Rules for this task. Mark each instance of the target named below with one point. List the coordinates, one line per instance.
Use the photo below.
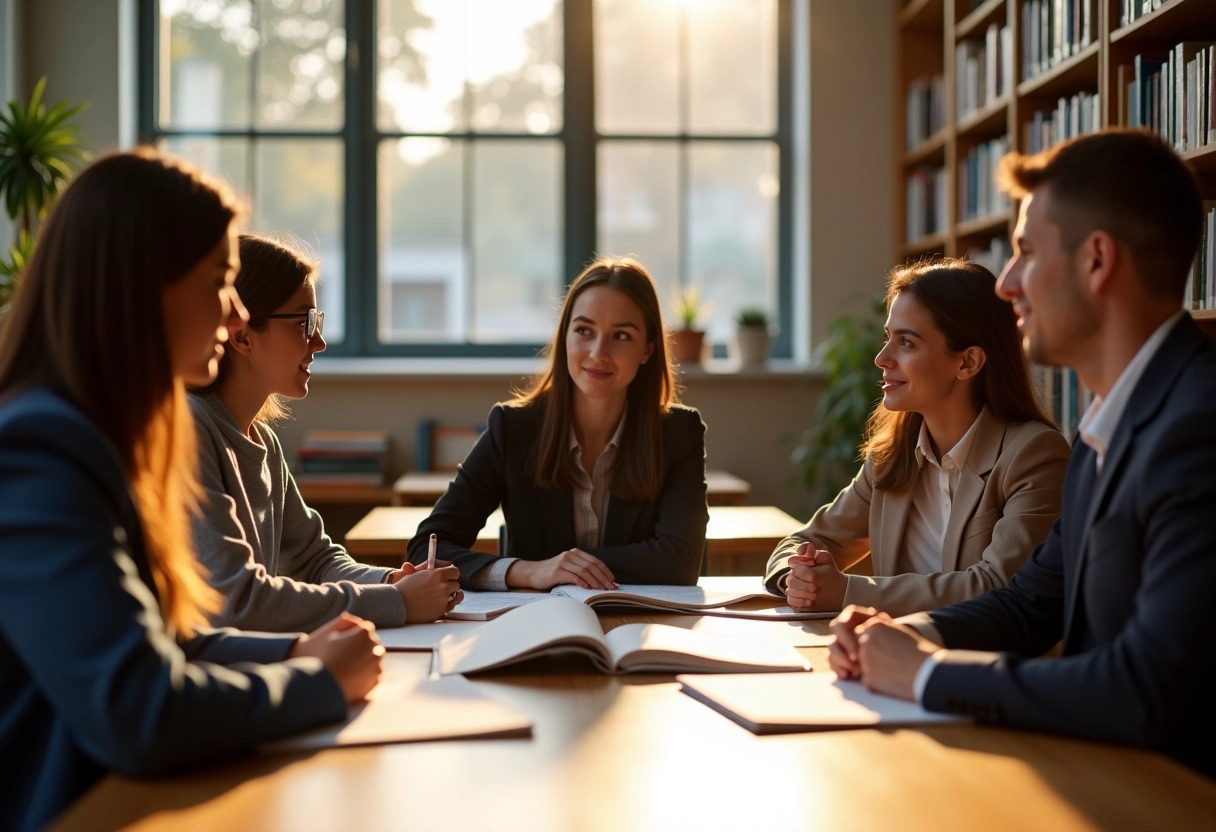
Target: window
(455, 163)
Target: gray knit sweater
(265, 549)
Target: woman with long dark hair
(599, 472)
(962, 471)
(104, 662)
(264, 549)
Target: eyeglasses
(315, 318)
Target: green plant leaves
(826, 454)
(38, 145)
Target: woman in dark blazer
(104, 662)
(600, 474)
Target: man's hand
(814, 582)
(843, 652)
(891, 655)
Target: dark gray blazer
(660, 542)
(90, 680)
(1127, 578)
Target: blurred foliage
(826, 455)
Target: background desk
(633, 753)
(424, 488)
(739, 538)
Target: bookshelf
(977, 76)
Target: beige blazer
(1007, 497)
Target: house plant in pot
(688, 342)
(753, 334)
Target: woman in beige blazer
(962, 471)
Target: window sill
(465, 370)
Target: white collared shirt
(1097, 427)
(920, 551)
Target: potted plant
(826, 455)
(688, 342)
(38, 146)
(753, 332)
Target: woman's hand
(814, 581)
(429, 594)
(350, 651)
(574, 566)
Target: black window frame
(361, 134)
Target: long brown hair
(637, 473)
(271, 272)
(88, 322)
(961, 297)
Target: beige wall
(86, 53)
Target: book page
(786, 702)
(414, 711)
(663, 648)
(659, 596)
(482, 606)
(554, 624)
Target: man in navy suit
(1107, 230)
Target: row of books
(1132, 10)
(983, 70)
(1201, 284)
(926, 202)
(1075, 116)
(343, 458)
(978, 195)
(994, 257)
(925, 110)
(1055, 30)
(1063, 396)
(1172, 94)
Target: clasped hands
(814, 581)
(878, 651)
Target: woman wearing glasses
(266, 551)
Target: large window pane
(420, 68)
(423, 272)
(301, 64)
(206, 48)
(637, 66)
(517, 239)
(482, 65)
(225, 158)
(639, 206)
(732, 227)
(732, 60)
(298, 191)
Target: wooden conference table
(739, 539)
(424, 488)
(633, 753)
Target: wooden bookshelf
(929, 34)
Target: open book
(562, 625)
(781, 703)
(703, 600)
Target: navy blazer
(90, 680)
(1127, 578)
(660, 542)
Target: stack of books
(343, 458)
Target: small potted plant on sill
(688, 342)
(753, 333)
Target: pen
(430, 553)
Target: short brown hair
(1128, 183)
